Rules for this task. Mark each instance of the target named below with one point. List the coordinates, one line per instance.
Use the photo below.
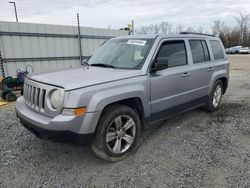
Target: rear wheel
(215, 97)
(117, 133)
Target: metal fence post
(133, 29)
(1, 65)
(79, 38)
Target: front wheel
(117, 133)
(215, 97)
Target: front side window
(199, 51)
(175, 52)
(122, 53)
(217, 49)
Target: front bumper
(58, 136)
(73, 129)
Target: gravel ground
(195, 149)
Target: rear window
(217, 49)
(199, 51)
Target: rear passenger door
(201, 69)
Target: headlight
(56, 99)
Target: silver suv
(127, 85)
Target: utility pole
(12, 2)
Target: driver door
(170, 87)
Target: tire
(11, 97)
(4, 94)
(123, 126)
(215, 96)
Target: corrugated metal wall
(47, 47)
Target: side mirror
(160, 63)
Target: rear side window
(199, 51)
(175, 52)
(205, 49)
(217, 49)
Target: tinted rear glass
(217, 49)
(205, 49)
(199, 51)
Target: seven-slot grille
(34, 96)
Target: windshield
(121, 53)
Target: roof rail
(194, 33)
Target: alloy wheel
(217, 95)
(120, 134)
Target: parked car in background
(228, 50)
(233, 50)
(128, 84)
(245, 50)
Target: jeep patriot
(128, 84)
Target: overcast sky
(117, 13)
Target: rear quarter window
(217, 49)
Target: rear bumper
(58, 136)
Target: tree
(218, 27)
(242, 22)
(179, 28)
(165, 28)
(229, 35)
(162, 28)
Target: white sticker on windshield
(137, 42)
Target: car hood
(83, 77)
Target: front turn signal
(74, 111)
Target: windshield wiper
(85, 62)
(103, 65)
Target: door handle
(210, 69)
(186, 74)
